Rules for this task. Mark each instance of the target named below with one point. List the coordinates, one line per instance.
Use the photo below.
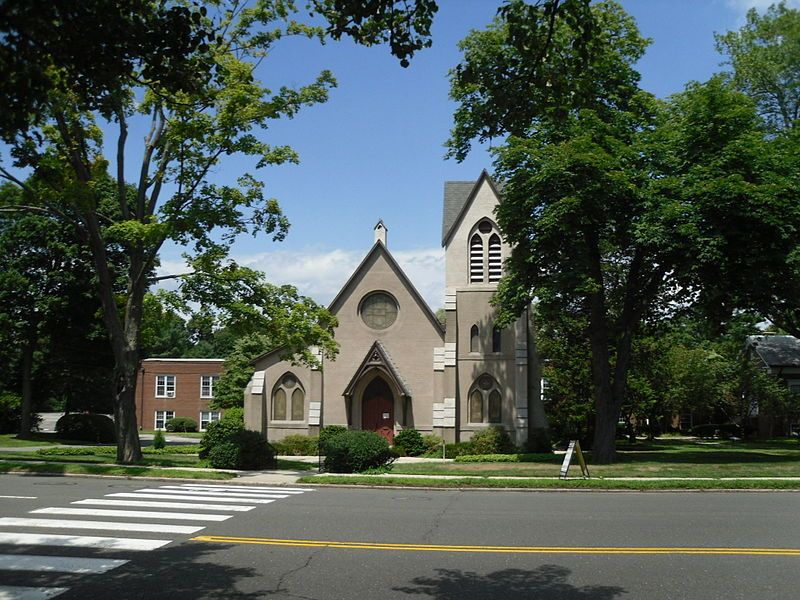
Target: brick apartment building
(177, 387)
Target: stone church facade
(398, 366)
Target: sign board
(574, 449)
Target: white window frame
(210, 419)
(163, 419)
(212, 381)
(163, 382)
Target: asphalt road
(362, 543)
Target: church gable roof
(458, 195)
(379, 249)
(378, 358)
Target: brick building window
(165, 386)
(207, 417)
(207, 384)
(162, 416)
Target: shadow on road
(547, 581)
(183, 571)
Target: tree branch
(123, 135)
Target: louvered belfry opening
(476, 259)
(495, 259)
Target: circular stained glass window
(379, 310)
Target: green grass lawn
(10, 440)
(659, 458)
(105, 455)
(180, 456)
(9, 466)
(597, 484)
(295, 465)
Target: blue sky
(375, 149)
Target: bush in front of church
(228, 445)
(410, 442)
(355, 451)
(327, 433)
(494, 440)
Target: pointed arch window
(495, 259)
(288, 399)
(476, 259)
(474, 339)
(476, 407)
(485, 401)
(497, 340)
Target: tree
(765, 57)
(617, 204)
(164, 332)
(739, 187)
(197, 89)
(575, 171)
(52, 339)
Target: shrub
(235, 413)
(228, 445)
(410, 441)
(481, 458)
(158, 440)
(226, 455)
(9, 412)
(327, 433)
(433, 445)
(494, 440)
(254, 451)
(87, 427)
(183, 424)
(297, 445)
(724, 430)
(352, 451)
(458, 449)
(217, 433)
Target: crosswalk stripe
(135, 514)
(14, 592)
(80, 541)
(107, 525)
(237, 488)
(244, 497)
(147, 504)
(180, 497)
(60, 564)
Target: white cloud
(320, 274)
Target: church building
(398, 366)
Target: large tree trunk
(538, 426)
(124, 338)
(129, 449)
(26, 410)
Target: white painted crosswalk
(197, 505)
(132, 514)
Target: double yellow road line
(495, 549)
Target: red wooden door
(378, 416)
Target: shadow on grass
(546, 581)
(707, 458)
